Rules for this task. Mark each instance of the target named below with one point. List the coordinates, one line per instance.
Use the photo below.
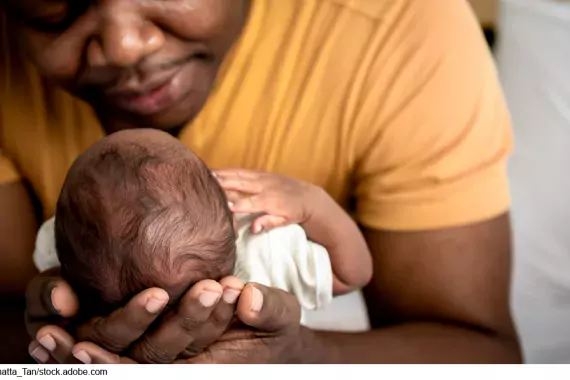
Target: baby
(138, 209)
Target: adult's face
(139, 63)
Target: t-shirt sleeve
(8, 172)
(433, 130)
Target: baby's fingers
(268, 222)
(240, 173)
(234, 181)
(251, 205)
(234, 196)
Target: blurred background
(487, 12)
(531, 43)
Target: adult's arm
(18, 226)
(432, 138)
(442, 297)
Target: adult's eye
(51, 24)
(58, 22)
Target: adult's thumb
(48, 295)
(268, 309)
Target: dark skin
(437, 296)
(17, 221)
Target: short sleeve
(8, 172)
(433, 130)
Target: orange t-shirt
(392, 106)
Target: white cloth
(45, 253)
(282, 258)
(533, 56)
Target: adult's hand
(200, 317)
(269, 331)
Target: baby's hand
(284, 200)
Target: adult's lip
(156, 88)
(141, 88)
(156, 75)
(149, 97)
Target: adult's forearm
(410, 343)
(13, 331)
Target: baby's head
(138, 210)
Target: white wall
(533, 55)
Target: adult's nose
(124, 35)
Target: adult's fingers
(90, 353)
(52, 346)
(49, 300)
(56, 342)
(40, 354)
(181, 328)
(49, 295)
(219, 320)
(116, 332)
(268, 309)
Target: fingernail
(54, 300)
(256, 300)
(83, 357)
(208, 298)
(257, 229)
(40, 354)
(154, 305)
(230, 204)
(231, 295)
(47, 342)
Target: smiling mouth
(165, 73)
(149, 101)
(200, 55)
(138, 97)
(132, 93)
(159, 92)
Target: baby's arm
(287, 201)
(329, 225)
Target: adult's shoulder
(430, 123)
(373, 9)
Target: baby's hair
(137, 208)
